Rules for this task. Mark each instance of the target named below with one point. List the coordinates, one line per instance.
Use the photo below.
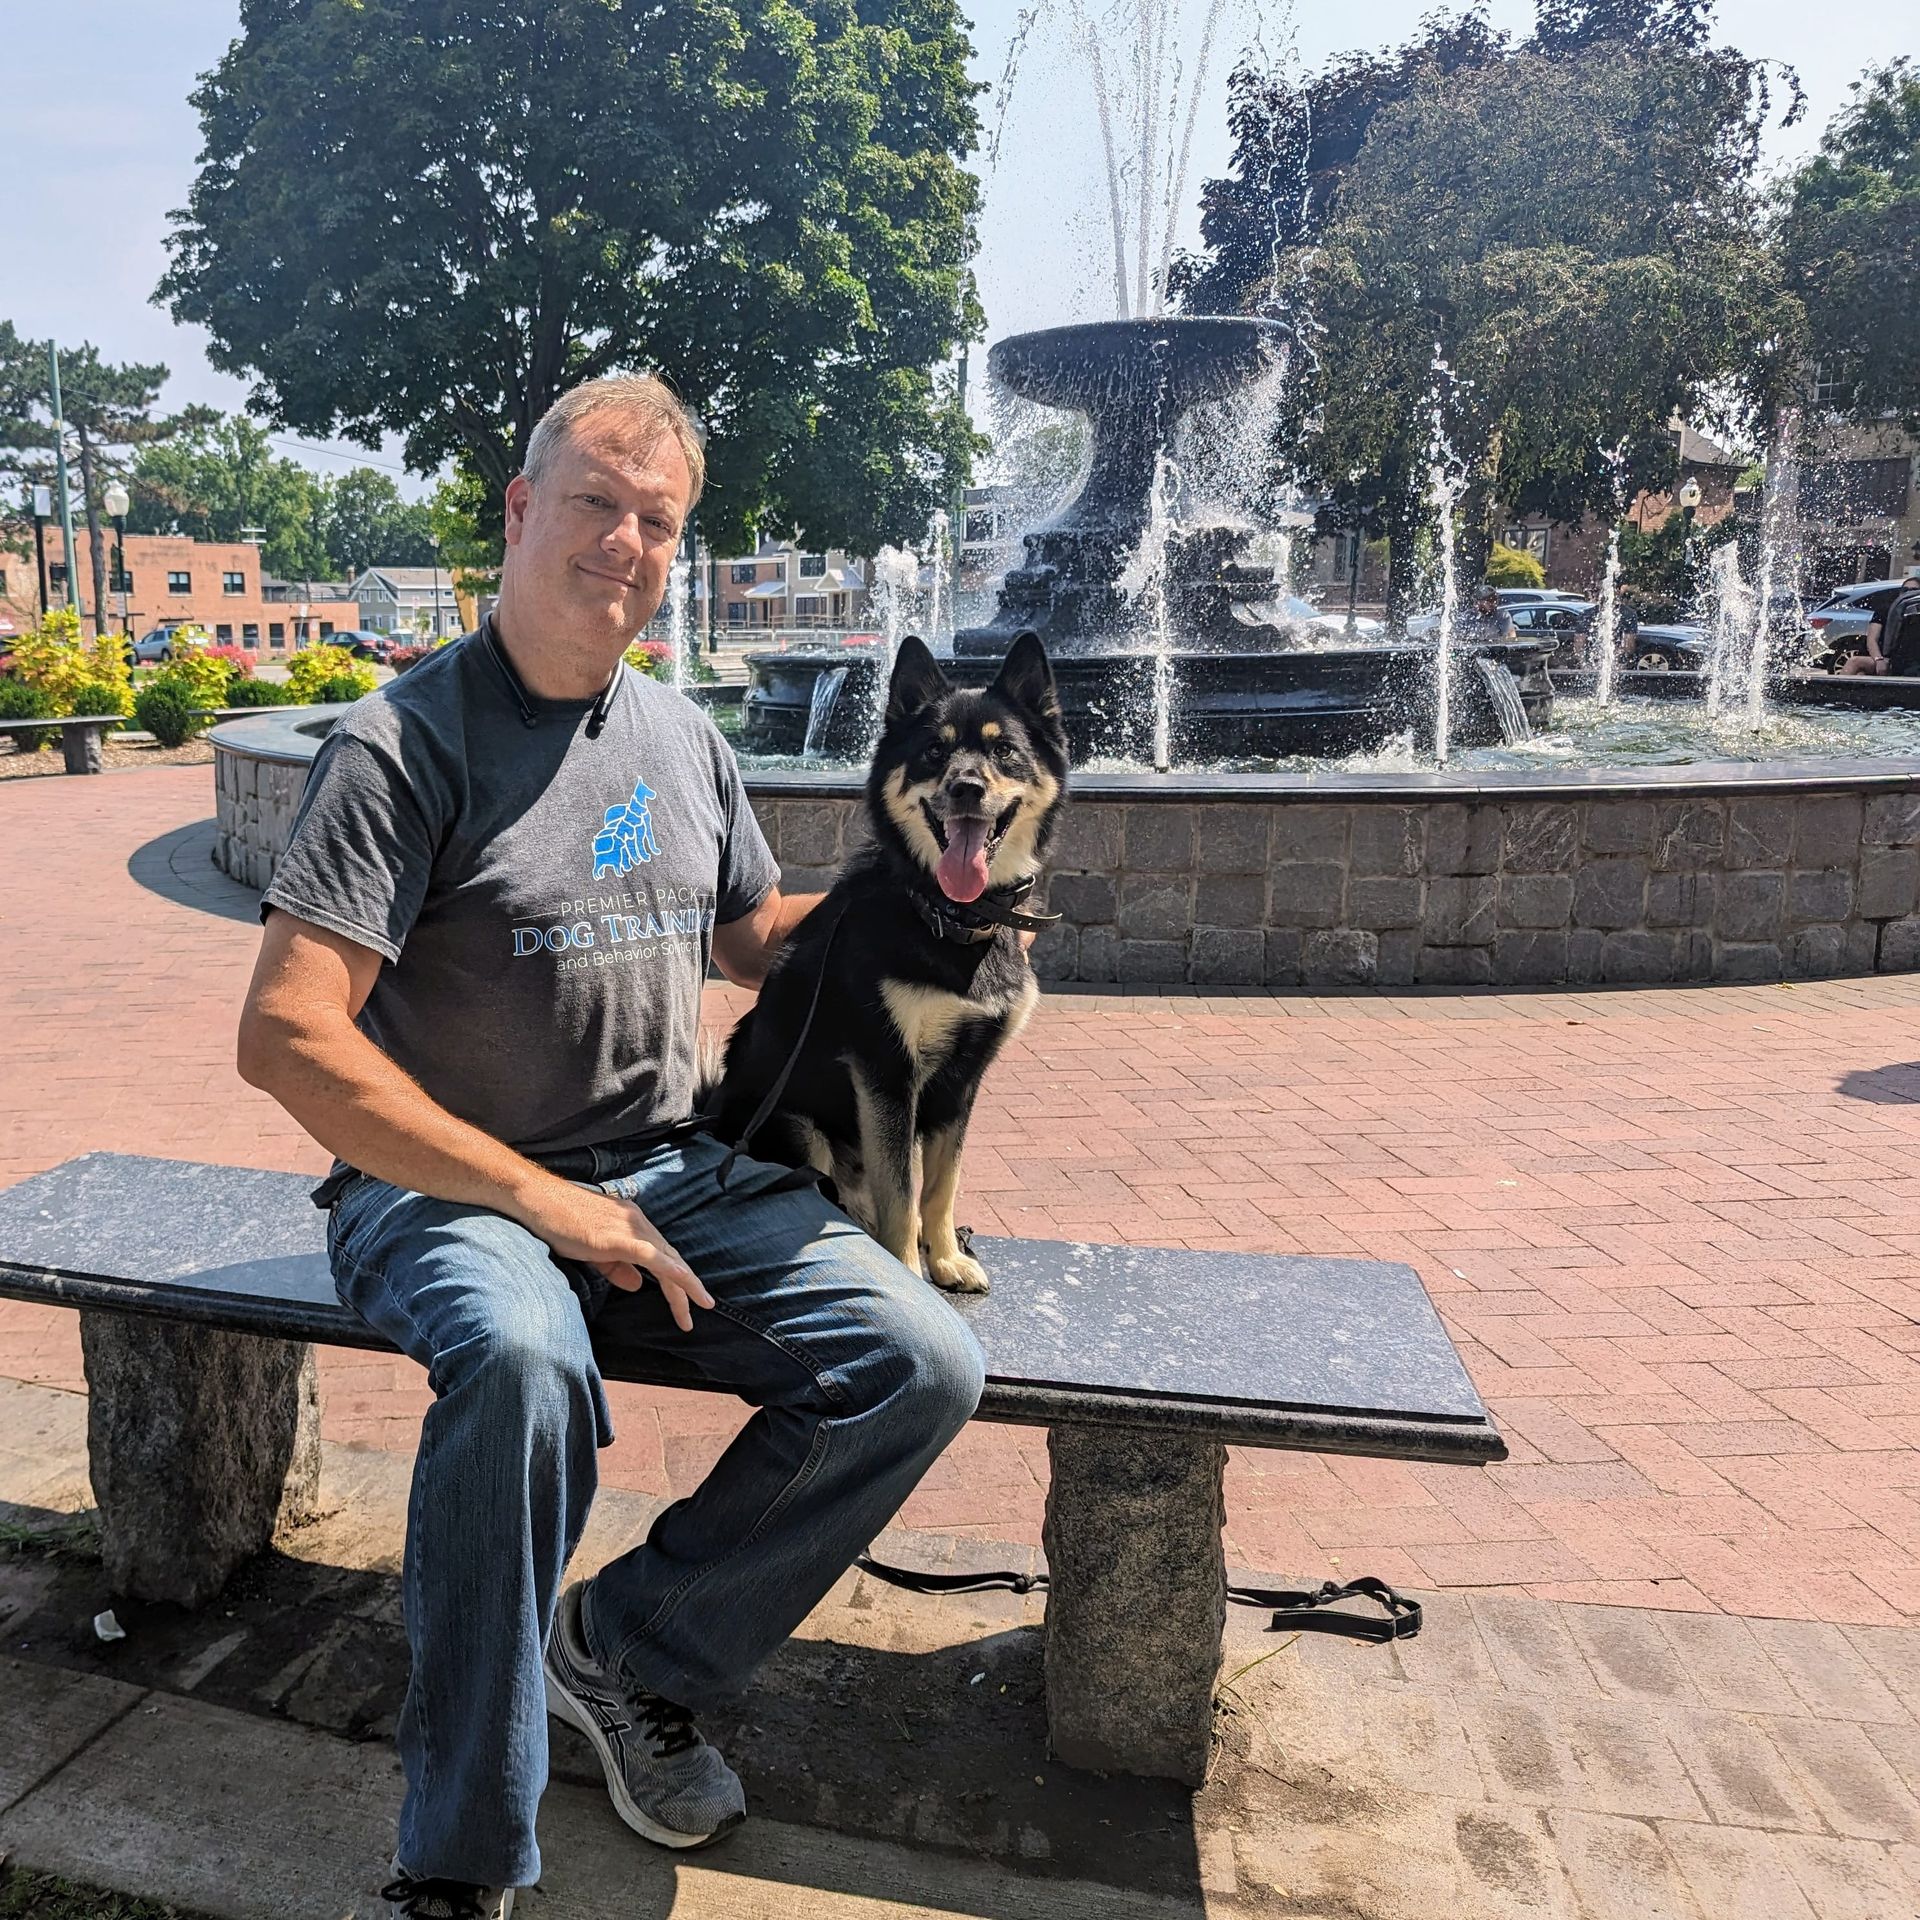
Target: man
(1487, 619)
(479, 986)
(1893, 636)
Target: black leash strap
(1294, 1608)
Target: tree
(1575, 227)
(221, 480)
(368, 524)
(762, 198)
(1850, 247)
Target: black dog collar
(967, 925)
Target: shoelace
(669, 1725)
(434, 1899)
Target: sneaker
(409, 1897)
(667, 1784)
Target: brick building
(169, 579)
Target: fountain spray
(1606, 620)
(896, 580)
(1445, 484)
(1776, 520)
(1144, 582)
(679, 626)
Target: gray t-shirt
(546, 901)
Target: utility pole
(60, 479)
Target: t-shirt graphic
(627, 837)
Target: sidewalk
(1674, 1233)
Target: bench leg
(201, 1444)
(80, 747)
(1138, 1601)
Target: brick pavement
(1674, 1231)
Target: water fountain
(1191, 653)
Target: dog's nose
(966, 792)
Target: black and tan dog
(883, 1012)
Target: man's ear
(917, 682)
(1025, 680)
(519, 489)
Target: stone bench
(200, 1290)
(81, 733)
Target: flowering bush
(317, 673)
(401, 658)
(652, 657)
(238, 661)
(64, 667)
(195, 673)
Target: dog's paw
(957, 1273)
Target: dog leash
(1298, 1608)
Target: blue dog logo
(627, 838)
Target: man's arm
(745, 948)
(298, 1042)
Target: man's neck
(553, 666)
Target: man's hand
(612, 1234)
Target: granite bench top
(1343, 1356)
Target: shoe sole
(562, 1706)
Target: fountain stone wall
(1789, 871)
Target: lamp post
(116, 504)
(42, 513)
(433, 540)
(1689, 498)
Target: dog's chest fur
(931, 1020)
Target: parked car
(1301, 612)
(157, 644)
(1559, 620)
(364, 645)
(1674, 649)
(1511, 597)
(1841, 620)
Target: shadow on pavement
(1893, 1086)
(179, 867)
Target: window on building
(1533, 540)
(276, 632)
(119, 580)
(233, 583)
(1829, 387)
(981, 527)
(744, 573)
(326, 629)
(812, 565)
(224, 635)
(808, 606)
(57, 579)
(736, 613)
(179, 582)
(250, 635)
(3, 583)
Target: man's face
(592, 542)
(1487, 602)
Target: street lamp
(433, 540)
(1689, 498)
(116, 504)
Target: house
(407, 600)
(1857, 498)
(784, 585)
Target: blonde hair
(640, 400)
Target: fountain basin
(1323, 881)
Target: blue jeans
(861, 1374)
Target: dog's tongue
(963, 865)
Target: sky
(96, 109)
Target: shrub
(194, 672)
(653, 657)
(163, 711)
(1510, 567)
(343, 689)
(18, 701)
(315, 668)
(256, 693)
(55, 659)
(238, 661)
(98, 696)
(401, 658)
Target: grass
(40, 1896)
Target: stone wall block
(767, 813)
(1155, 906)
(1461, 911)
(1862, 946)
(1283, 956)
(1689, 834)
(1159, 839)
(1230, 900)
(1099, 954)
(1892, 820)
(1742, 961)
(1583, 955)
(1055, 954)
(1818, 952)
(1681, 899)
(1379, 901)
(1086, 899)
(1529, 959)
(1540, 838)
(1823, 896)
(1759, 833)
(1463, 840)
(1826, 830)
(1397, 956)
(1310, 833)
(1388, 841)
(1748, 906)
(1345, 957)
(1233, 839)
(1619, 826)
(797, 879)
(1900, 946)
(1454, 967)
(1307, 894)
(1151, 962)
(1639, 956)
(1610, 894)
(1536, 899)
(1088, 837)
(1228, 957)
(810, 832)
(1889, 881)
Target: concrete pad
(50, 1716)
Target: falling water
(1776, 556)
(826, 696)
(940, 621)
(1606, 619)
(1445, 484)
(1734, 631)
(1144, 582)
(896, 581)
(679, 625)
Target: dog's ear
(917, 681)
(1025, 679)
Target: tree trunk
(95, 539)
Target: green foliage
(1850, 247)
(76, 675)
(163, 710)
(763, 198)
(1510, 567)
(369, 524)
(1662, 569)
(470, 543)
(194, 674)
(316, 674)
(40, 1896)
(18, 701)
(242, 692)
(222, 477)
